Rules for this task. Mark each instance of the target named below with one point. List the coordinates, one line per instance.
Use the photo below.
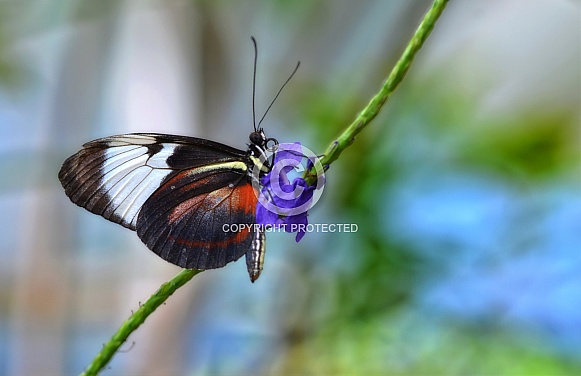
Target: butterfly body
(176, 192)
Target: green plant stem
(137, 318)
(393, 80)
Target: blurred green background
(465, 190)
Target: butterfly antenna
(279, 91)
(254, 85)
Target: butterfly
(177, 192)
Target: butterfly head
(258, 138)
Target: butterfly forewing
(110, 177)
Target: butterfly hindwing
(183, 221)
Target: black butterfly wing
(187, 221)
(114, 176)
(175, 191)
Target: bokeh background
(465, 190)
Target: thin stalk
(136, 319)
(397, 74)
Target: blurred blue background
(465, 190)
